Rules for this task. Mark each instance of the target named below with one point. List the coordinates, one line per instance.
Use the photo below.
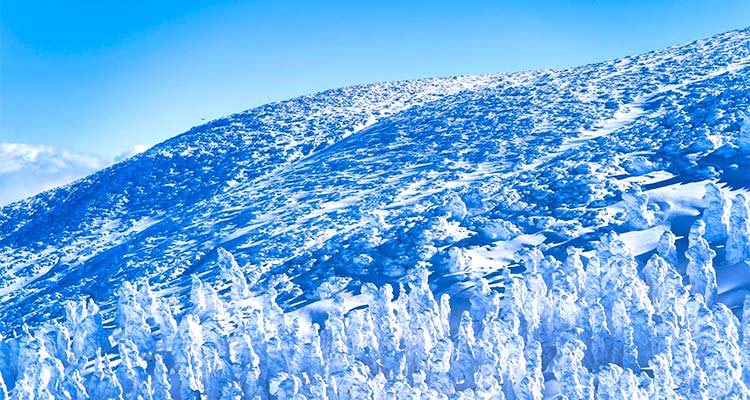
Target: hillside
(580, 231)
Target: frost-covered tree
(3, 388)
(637, 212)
(743, 139)
(700, 269)
(666, 248)
(664, 384)
(744, 350)
(596, 325)
(161, 387)
(738, 242)
(575, 381)
(715, 214)
(131, 322)
(232, 273)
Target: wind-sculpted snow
(579, 233)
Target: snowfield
(574, 234)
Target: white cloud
(137, 149)
(26, 170)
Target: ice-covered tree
(637, 212)
(3, 388)
(403, 343)
(715, 214)
(232, 273)
(161, 387)
(700, 269)
(666, 248)
(738, 242)
(664, 384)
(743, 139)
(575, 381)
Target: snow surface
(577, 233)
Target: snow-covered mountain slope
(567, 181)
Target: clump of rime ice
(715, 214)
(738, 242)
(638, 215)
(743, 139)
(700, 270)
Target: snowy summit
(577, 233)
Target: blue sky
(102, 76)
